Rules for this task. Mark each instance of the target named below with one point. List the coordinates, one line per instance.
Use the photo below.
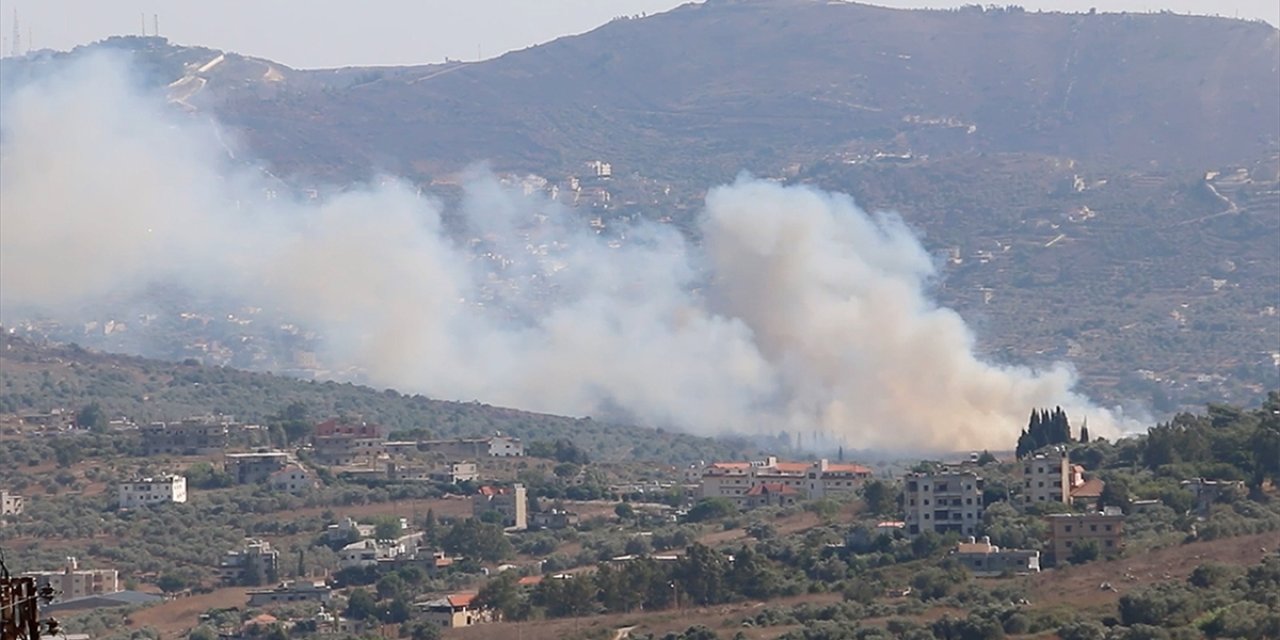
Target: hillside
(40, 378)
(1056, 163)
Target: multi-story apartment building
(10, 504)
(511, 503)
(199, 435)
(1068, 530)
(808, 480)
(943, 502)
(1048, 477)
(253, 564)
(347, 443)
(254, 468)
(73, 582)
(143, 492)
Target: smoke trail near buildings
(799, 311)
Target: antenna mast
(155, 24)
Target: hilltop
(1100, 188)
(39, 378)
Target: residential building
(455, 472)
(456, 610)
(451, 472)
(292, 478)
(1049, 476)
(771, 494)
(72, 582)
(148, 491)
(1068, 530)
(369, 552)
(554, 519)
(497, 446)
(254, 468)
(342, 444)
(10, 504)
(1208, 492)
(947, 501)
(511, 503)
(984, 559)
(349, 530)
(501, 446)
(287, 592)
(199, 435)
(253, 564)
(810, 480)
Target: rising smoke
(798, 312)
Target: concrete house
(144, 492)
(984, 559)
(512, 503)
(947, 501)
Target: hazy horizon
(391, 32)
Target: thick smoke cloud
(799, 311)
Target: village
(496, 517)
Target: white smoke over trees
(799, 311)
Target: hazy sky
(328, 33)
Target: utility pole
(20, 600)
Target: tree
(1084, 551)
(711, 509)
(480, 540)
(986, 458)
(203, 632)
(501, 594)
(1084, 434)
(386, 528)
(361, 605)
(91, 417)
(1115, 493)
(171, 583)
(879, 496)
(624, 511)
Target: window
(926, 516)
(1108, 527)
(1068, 528)
(1041, 484)
(1111, 543)
(1027, 470)
(1068, 544)
(1093, 527)
(968, 500)
(926, 502)
(942, 486)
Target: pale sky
(331, 33)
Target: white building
(505, 447)
(10, 504)
(148, 491)
(950, 500)
(293, 478)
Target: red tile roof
(461, 599)
(848, 468)
(1091, 488)
(772, 487)
(529, 581)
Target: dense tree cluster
(1044, 429)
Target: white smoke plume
(799, 311)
